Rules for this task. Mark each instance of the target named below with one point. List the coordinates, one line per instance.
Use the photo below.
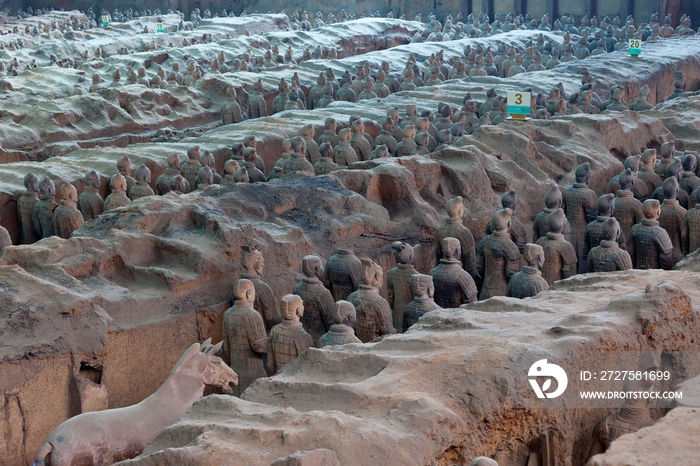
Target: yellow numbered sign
(159, 27)
(105, 20)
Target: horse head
(217, 372)
(200, 362)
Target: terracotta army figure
(208, 160)
(256, 102)
(497, 256)
(343, 154)
(690, 228)
(230, 168)
(205, 177)
(179, 185)
(90, 202)
(191, 168)
(66, 217)
(509, 200)
(454, 228)
(627, 210)
(642, 103)
(552, 202)
(407, 145)
(124, 168)
(279, 103)
(373, 311)
(423, 291)
(358, 142)
(671, 217)
(329, 134)
(580, 203)
(342, 331)
(325, 165)
(256, 172)
(118, 196)
(287, 340)
(142, 187)
(633, 416)
(668, 150)
(318, 91)
(607, 256)
(559, 254)
(44, 208)
(640, 190)
(25, 209)
(529, 281)
(398, 282)
(386, 136)
(343, 274)
(231, 111)
(690, 181)
(318, 301)
(594, 231)
(673, 170)
(646, 172)
(253, 264)
(312, 153)
(163, 181)
(648, 244)
(297, 162)
(453, 286)
(244, 337)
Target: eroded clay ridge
(53, 110)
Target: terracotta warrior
(607, 256)
(552, 202)
(374, 317)
(594, 231)
(179, 185)
(191, 168)
(253, 264)
(325, 165)
(66, 217)
(671, 217)
(690, 228)
(208, 160)
(256, 103)
(112, 435)
(44, 209)
(690, 181)
(627, 209)
(497, 256)
(312, 153)
(529, 281)
(329, 135)
(343, 154)
(454, 228)
(90, 202)
(673, 170)
(142, 187)
(559, 254)
(205, 177)
(25, 209)
(407, 144)
(398, 282)
(231, 111)
(580, 205)
(423, 291)
(124, 169)
(358, 141)
(668, 150)
(288, 339)
(648, 244)
(646, 172)
(342, 331)
(297, 162)
(230, 168)
(244, 336)
(453, 286)
(118, 196)
(633, 416)
(163, 181)
(642, 103)
(386, 137)
(509, 200)
(343, 274)
(318, 301)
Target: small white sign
(518, 103)
(635, 47)
(105, 20)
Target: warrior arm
(271, 363)
(325, 306)
(269, 306)
(685, 235)
(384, 318)
(480, 263)
(623, 261)
(632, 247)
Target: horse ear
(216, 348)
(206, 345)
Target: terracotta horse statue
(105, 437)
